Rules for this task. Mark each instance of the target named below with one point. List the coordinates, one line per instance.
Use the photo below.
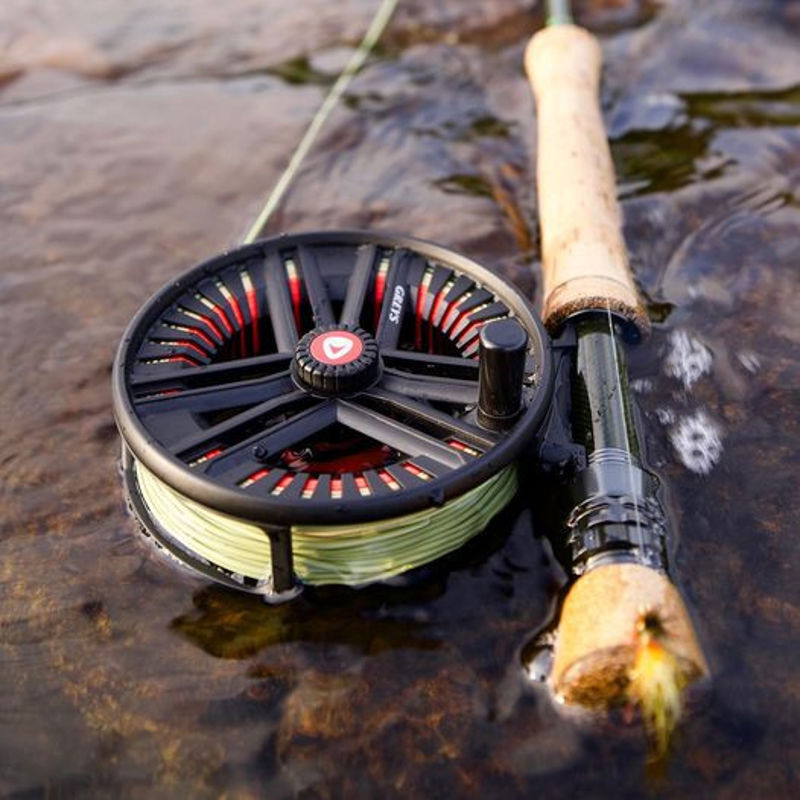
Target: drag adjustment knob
(503, 349)
(336, 360)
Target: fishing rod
(624, 633)
(344, 407)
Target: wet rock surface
(138, 140)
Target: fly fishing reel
(327, 408)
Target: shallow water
(140, 138)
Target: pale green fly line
(345, 554)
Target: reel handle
(585, 263)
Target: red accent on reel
(336, 347)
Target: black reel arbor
(306, 383)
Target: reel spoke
(280, 304)
(446, 390)
(209, 375)
(229, 432)
(429, 365)
(231, 466)
(318, 296)
(217, 398)
(397, 434)
(358, 286)
(395, 300)
(398, 407)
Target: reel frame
(276, 514)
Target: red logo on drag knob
(336, 347)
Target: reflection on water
(139, 140)
(697, 442)
(687, 359)
(229, 625)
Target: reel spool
(327, 408)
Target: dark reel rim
(270, 510)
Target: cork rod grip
(585, 263)
(595, 652)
